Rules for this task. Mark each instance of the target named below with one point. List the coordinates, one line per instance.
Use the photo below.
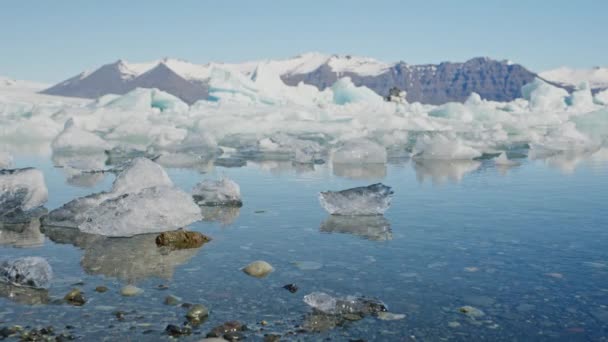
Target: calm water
(527, 245)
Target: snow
(597, 77)
(21, 190)
(218, 193)
(27, 271)
(374, 199)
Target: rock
(374, 199)
(27, 271)
(227, 327)
(176, 331)
(197, 312)
(233, 336)
(272, 338)
(101, 289)
(75, 297)
(471, 311)
(388, 316)
(224, 192)
(293, 288)
(258, 269)
(21, 192)
(181, 239)
(172, 300)
(130, 291)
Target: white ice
(6, 160)
(21, 190)
(27, 271)
(218, 193)
(360, 151)
(374, 199)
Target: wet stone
(233, 336)
(258, 269)
(181, 239)
(293, 288)
(172, 300)
(471, 311)
(174, 330)
(75, 297)
(130, 291)
(352, 317)
(197, 312)
(272, 338)
(227, 327)
(101, 289)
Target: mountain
(597, 77)
(432, 84)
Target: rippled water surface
(527, 245)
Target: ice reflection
(360, 171)
(21, 235)
(23, 294)
(375, 227)
(441, 171)
(82, 170)
(225, 215)
(128, 259)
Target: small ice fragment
(348, 305)
(21, 190)
(27, 271)
(321, 301)
(224, 192)
(374, 199)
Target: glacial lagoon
(467, 251)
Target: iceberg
(224, 192)
(27, 271)
(21, 192)
(345, 92)
(440, 147)
(360, 151)
(374, 199)
(74, 139)
(544, 97)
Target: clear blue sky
(52, 40)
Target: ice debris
(340, 306)
(374, 199)
(224, 192)
(360, 151)
(21, 191)
(27, 271)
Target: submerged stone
(197, 312)
(130, 291)
(258, 269)
(75, 297)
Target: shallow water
(527, 245)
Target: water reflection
(23, 294)
(185, 161)
(225, 215)
(360, 171)
(441, 171)
(78, 168)
(21, 235)
(128, 259)
(375, 227)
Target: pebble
(258, 269)
(101, 289)
(172, 300)
(389, 316)
(75, 297)
(130, 291)
(175, 330)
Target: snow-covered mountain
(597, 77)
(435, 84)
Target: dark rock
(272, 338)
(181, 239)
(227, 327)
(101, 289)
(233, 336)
(293, 288)
(175, 330)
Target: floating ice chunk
(21, 190)
(453, 110)
(339, 306)
(601, 97)
(74, 139)
(360, 151)
(502, 160)
(139, 174)
(374, 199)
(544, 97)
(27, 271)
(6, 160)
(594, 125)
(224, 192)
(581, 98)
(152, 210)
(346, 92)
(138, 98)
(167, 102)
(443, 148)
